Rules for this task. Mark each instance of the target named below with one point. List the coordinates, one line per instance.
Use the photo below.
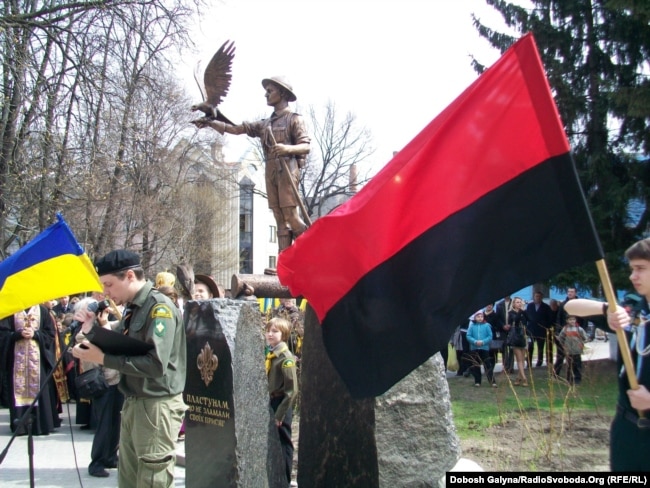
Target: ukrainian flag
(51, 265)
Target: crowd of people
(523, 335)
(45, 348)
(35, 346)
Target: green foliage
(594, 53)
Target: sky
(393, 64)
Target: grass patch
(477, 409)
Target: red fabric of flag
(485, 200)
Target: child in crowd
(283, 383)
(479, 336)
(572, 339)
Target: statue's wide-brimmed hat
(284, 83)
(208, 281)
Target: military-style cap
(284, 83)
(115, 261)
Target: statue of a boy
(284, 138)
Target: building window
(273, 261)
(245, 223)
(246, 229)
(273, 234)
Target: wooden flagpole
(623, 345)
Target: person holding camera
(152, 383)
(107, 406)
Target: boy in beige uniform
(284, 137)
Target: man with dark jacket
(540, 329)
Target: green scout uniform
(283, 388)
(283, 380)
(152, 385)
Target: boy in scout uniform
(152, 383)
(283, 384)
(629, 441)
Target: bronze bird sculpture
(216, 81)
(185, 277)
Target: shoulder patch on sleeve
(160, 328)
(161, 311)
(288, 363)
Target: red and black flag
(484, 201)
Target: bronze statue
(285, 143)
(216, 81)
(185, 275)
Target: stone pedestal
(415, 433)
(405, 437)
(229, 437)
(337, 439)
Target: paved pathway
(60, 459)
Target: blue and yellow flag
(51, 265)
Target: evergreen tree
(595, 54)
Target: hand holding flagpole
(583, 307)
(624, 347)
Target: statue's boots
(284, 239)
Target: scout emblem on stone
(207, 362)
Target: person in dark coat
(518, 337)
(540, 328)
(5, 386)
(463, 352)
(28, 340)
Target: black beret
(115, 261)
